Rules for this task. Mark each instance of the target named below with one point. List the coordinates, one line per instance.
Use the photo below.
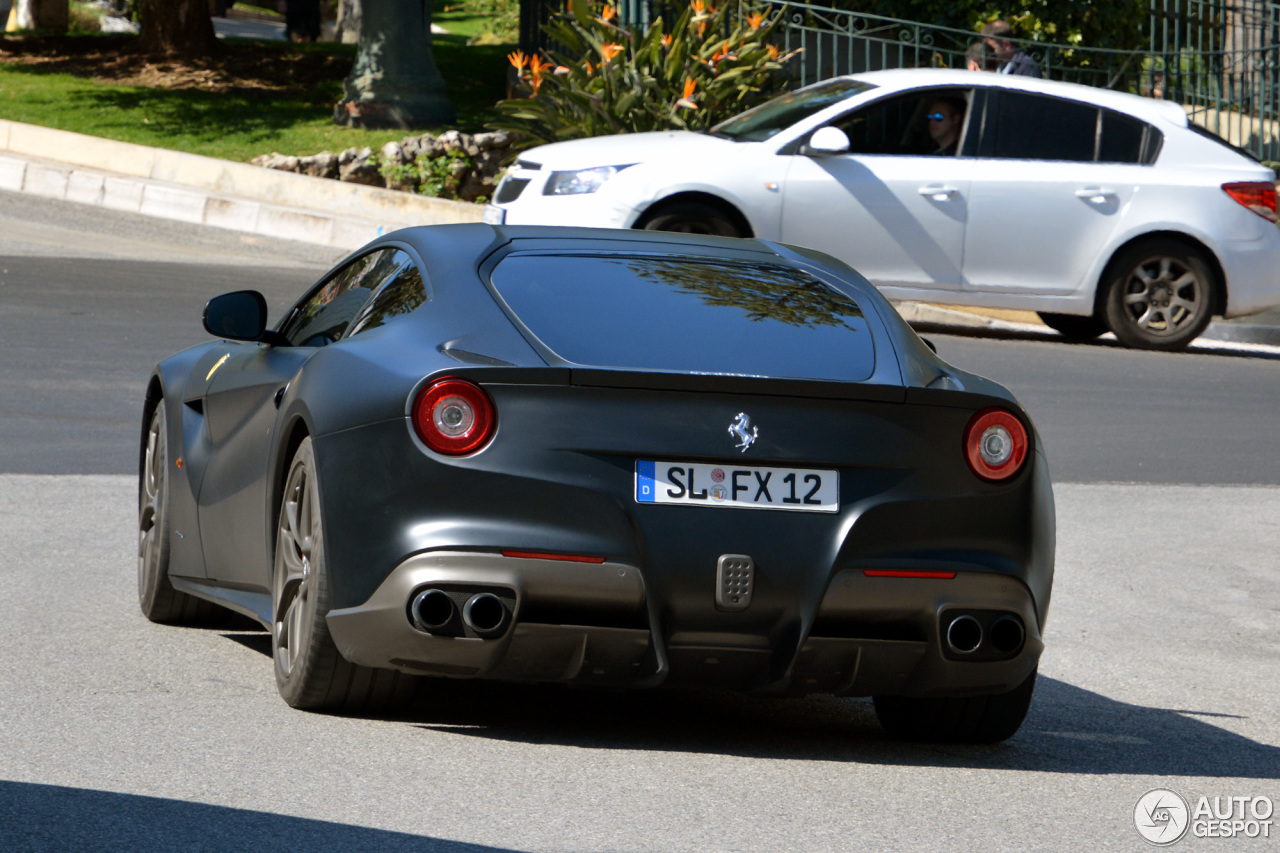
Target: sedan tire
(691, 217)
(311, 673)
(160, 602)
(1160, 295)
(967, 719)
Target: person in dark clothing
(302, 20)
(946, 118)
(978, 57)
(1013, 59)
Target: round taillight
(995, 444)
(454, 416)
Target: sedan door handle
(1097, 195)
(938, 193)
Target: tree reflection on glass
(762, 291)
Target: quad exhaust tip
(485, 614)
(432, 610)
(1007, 635)
(964, 635)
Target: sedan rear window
(687, 314)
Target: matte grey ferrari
(601, 458)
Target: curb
(206, 191)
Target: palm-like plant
(604, 79)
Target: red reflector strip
(539, 555)
(894, 573)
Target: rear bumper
(595, 624)
(1250, 268)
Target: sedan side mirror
(828, 140)
(239, 316)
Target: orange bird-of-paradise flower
(609, 50)
(537, 65)
(666, 40)
(686, 99)
(519, 60)
(772, 50)
(722, 53)
(755, 19)
(607, 14)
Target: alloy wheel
(151, 499)
(294, 598)
(1163, 296)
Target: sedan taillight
(1258, 196)
(454, 416)
(995, 444)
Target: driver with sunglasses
(945, 118)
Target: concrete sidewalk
(271, 203)
(207, 191)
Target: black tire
(160, 602)
(692, 217)
(967, 719)
(1160, 295)
(1073, 327)
(311, 673)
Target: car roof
(1149, 109)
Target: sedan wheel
(310, 672)
(160, 602)
(1161, 296)
(692, 218)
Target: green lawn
(242, 125)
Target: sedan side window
(323, 316)
(1021, 126)
(915, 124)
(1126, 139)
(402, 291)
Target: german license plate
(739, 487)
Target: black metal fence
(1219, 58)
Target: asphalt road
(1162, 666)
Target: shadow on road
(1069, 730)
(53, 817)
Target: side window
(1126, 139)
(324, 315)
(402, 291)
(1022, 126)
(919, 123)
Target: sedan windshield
(760, 123)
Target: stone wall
(452, 165)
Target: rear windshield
(690, 314)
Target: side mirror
(828, 140)
(239, 316)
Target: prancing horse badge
(742, 430)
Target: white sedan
(1097, 209)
